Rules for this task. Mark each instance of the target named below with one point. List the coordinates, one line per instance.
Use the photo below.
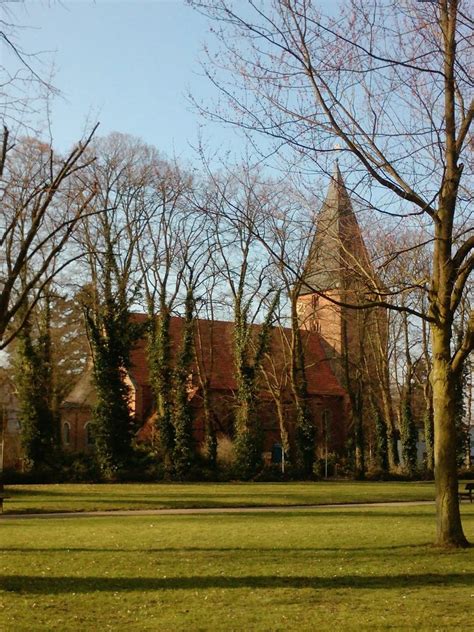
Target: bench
(2, 498)
(468, 492)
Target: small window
(89, 434)
(66, 433)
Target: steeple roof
(337, 245)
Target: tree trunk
(449, 527)
(393, 456)
(285, 442)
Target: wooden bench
(468, 492)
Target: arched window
(66, 433)
(89, 432)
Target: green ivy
(248, 440)
(182, 413)
(111, 336)
(381, 441)
(159, 357)
(305, 435)
(409, 437)
(32, 371)
(428, 423)
(460, 413)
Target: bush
(467, 473)
(225, 451)
(78, 468)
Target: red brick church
(324, 328)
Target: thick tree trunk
(449, 527)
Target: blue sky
(128, 65)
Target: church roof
(83, 393)
(214, 350)
(337, 243)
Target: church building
(337, 275)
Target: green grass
(81, 497)
(323, 569)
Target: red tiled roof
(214, 352)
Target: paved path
(210, 510)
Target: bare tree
(174, 251)
(391, 82)
(238, 201)
(42, 201)
(25, 86)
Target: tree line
(159, 239)
(391, 84)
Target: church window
(66, 433)
(89, 434)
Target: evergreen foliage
(159, 356)
(111, 336)
(113, 429)
(248, 431)
(112, 423)
(305, 432)
(357, 402)
(381, 441)
(182, 413)
(429, 438)
(33, 381)
(359, 447)
(210, 431)
(408, 436)
(462, 428)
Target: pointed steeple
(337, 243)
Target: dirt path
(209, 510)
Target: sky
(128, 65)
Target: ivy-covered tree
(304, 423)
(408, 434)
(247, 365)
(381, 441)
(159, 358)
(33, 381)
(462, 426)
(184, 451)
(172, 254)
(111, 337)
(109, 237)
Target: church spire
(337, 240)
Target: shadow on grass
(60, 585)
(410, 548)
(288, 512)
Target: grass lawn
(320, 569)
(81, 497)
